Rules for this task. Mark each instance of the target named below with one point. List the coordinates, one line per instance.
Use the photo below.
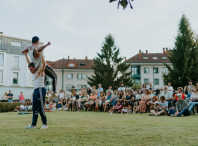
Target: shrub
(8, 106)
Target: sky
(77, 28)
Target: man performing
(39, 92)
(34, 53)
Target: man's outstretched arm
(39, 49)
(25, 50)
(27, 59)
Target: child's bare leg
(160, 113)
(153, 112)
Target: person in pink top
(117, 108)
(21, 98)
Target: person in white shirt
(61, 94)
(53, 106)
(170, 88)
(167, 94)
(121, 88)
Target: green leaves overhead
(123, 3)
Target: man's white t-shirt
(170, 89)
(61, 95)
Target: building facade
(149, 67)
(71, 72)
(14, 73)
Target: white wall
(23, 76)
(74, 81)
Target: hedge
(8, 106)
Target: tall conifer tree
(184, 57)
(109, 68)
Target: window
(156, 81)
(69, 76)
(1, 76)
(1, 60)
(164, 58)
(80, 86)
(82, 64)
(71, 65)
(81, 76)
(146, 81)
(146, 70)
(145, 57)
(0, 41)
(17, 44)
(155, 70)
(135, 70)
(16, 61)
(68, 87)
(165, 70)
(154, 57)
(137, 80)
(15, 78)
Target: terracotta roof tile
(137, 59)
(62, 64)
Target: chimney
(140, 55)
(125, 58)
(85, 57)
(166, 50)
(163, 50)
(146, 51)
(68, 57)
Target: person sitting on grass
(72, 102)
(130, 98)
(23, 107)
(83, 99)
(126, 108)
(53, 106)
(161, 108)
(194, 99)
(60, 102)
(152, 104)
(115, 97)
(100, 101)
(63, 105)
(136, 108)
(47, 106)
(181, 108)
(175, 98)
(121, 96)
(90, 101)
(117, 108)
(109, 100)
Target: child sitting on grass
(126, 108)
(23, 107)
(53, 106)
(136, 108)
(47, 106)
(117, 108)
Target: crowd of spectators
(164, 101)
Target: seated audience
(130, 98)
(146, 96)
(179, 91)
(140, 95)
(100, 101)
(47, 106)
(121, 88)
(83, 99)
(115, 97)
(110, 89)
(63, 105)
(23, 107)
(90, 101)
(72, 102)
(53, 106)
(136, 108)
(4, 97)
(117, 108)
(181, 108)
(88, 90)
(108, 101)
(194, 99)
(126, 108)
(10, 96)
(161, 108)
(167, 94)
(121, 96)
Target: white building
(149, 67)
(71, 72)
(14, 73)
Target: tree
(183, 57)
(109, 68)
(124, 3)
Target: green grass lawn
(90, 128)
